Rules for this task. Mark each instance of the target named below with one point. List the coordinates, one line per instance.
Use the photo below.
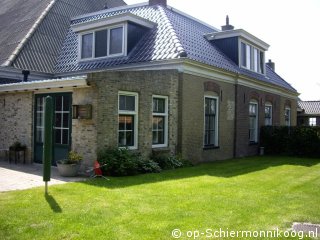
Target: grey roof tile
(310, 107)
(173, 35)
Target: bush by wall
(295, 141)
(123, 162)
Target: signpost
(47, 143)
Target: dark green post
(47, 143)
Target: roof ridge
(178, 45)
(34, 27)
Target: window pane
(58, 136)
(116, 40)
(58, 122)
(66, 120)
(243, 55)
(86, 47)
(255, 59)
(39, 135)
(66, 103)
(65, 136)
(127, 103)
(261, 62)
(101, 43)
(58, 103)
(159, 105)
(248, 56)
(126, 133)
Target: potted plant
(69, 167)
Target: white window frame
(287, 123)
(132, 113)
(254, 102)
(268, 104)
(216, 140)
(124, 42)
(250, 60)
(166, 121)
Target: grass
(260, 193)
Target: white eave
(238, 33)
(125, 17)
(52, 84)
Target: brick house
(308, 113)
(147, 77)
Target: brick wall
(191, 129)
(146, 84)
(244, 95)
(16, 118)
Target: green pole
(47, 143)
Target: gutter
(18, 49)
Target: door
(61, 129)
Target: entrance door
(61, 129)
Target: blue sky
(291, 27)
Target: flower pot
(68, 170)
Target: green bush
(295, 141)
(123, 162)
(168, 161)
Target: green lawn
(260, 193)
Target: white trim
(166, 123)
(134, 113)
(122, 18)
(216, 137)
(79, 81)
(238, 33)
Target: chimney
(158, 2)
(271, 65)
(25, 74)
(227, 26)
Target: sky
(290, 27)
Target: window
(268, 114)
(253, 121)
(312, 121)
(211, 122)
(159, 121)
(287, 116)
(252, 58)
(128, 120)
(103, 43)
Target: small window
(103, 43)
(252, 58)
(287, 116)
(253, 121)
(86, 46)
(210, 122)
(312, 121)
(159, 121)
(268, 114)
(128, 115)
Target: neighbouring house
(308, 113)
(148, 77)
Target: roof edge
(17, 50)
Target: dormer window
(113, 36)
(108, 42)
(252, 58)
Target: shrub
(123, 162)
(168, 161)
(296, 141)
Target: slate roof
(310, 107)
(41, 50)
(175, 36)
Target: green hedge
(295, 141)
